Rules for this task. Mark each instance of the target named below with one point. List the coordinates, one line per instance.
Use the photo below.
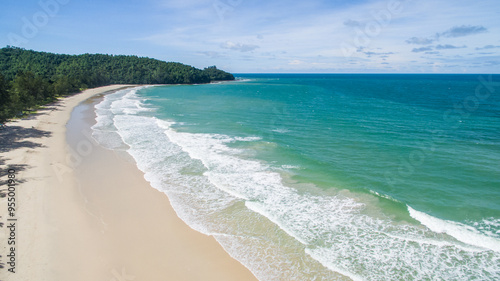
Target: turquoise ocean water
(327, 177)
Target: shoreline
(72, 228)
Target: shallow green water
(353, 174)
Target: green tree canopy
(29, 78)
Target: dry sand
(86, 213)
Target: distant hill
(29, 78)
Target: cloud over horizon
(275, 36)
(454, 32)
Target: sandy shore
(86, 213)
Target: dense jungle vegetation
(29, 78)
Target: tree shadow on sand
(14, 137)
(4, 171)
(43, 110)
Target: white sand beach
(90, 214)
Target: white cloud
(296, 62)
(352, 23)
(488, 47)
(262, 36)
(420, 41)
(238, 46)
(448, 46)
(211, 54)
(463, 30)
(423, 49)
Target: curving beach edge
(86, 213)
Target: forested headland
(29, 78)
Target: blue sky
(314, 36)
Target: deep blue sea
(327, 176)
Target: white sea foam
(209, 183)
(247, 139)
(355, 244)
(461, 232)
(104, 131)
(164, 164)
(385, 196)
(291, 167)
(281, 130)
(334, 267)
(488, 226)
(130, 103)
(239, 79)
(256, 207)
